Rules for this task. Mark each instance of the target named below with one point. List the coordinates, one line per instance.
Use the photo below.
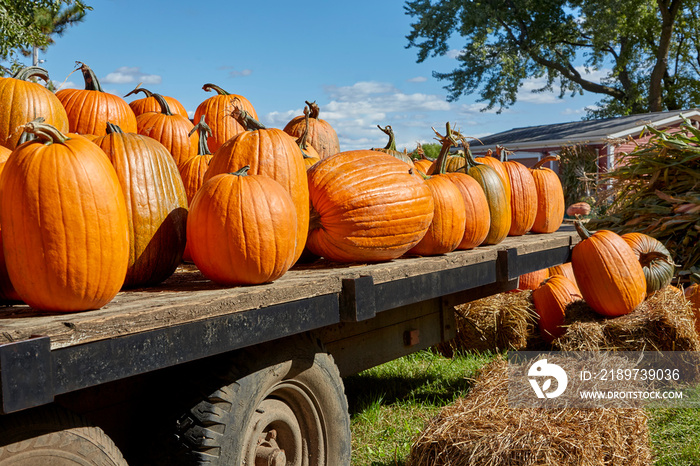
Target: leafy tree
(54, 21)
(22, 26)
(648, 50)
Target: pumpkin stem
(548, 158)
(138, 89)
(468, 156)
(242, 171)
(448, 141)
(315, 110)
(30, 71)
(91, 82)
(648, 258)
(391, 145)
(581, 230)
(164, 107)
(246, 120)
(113, 129)
(44, 132)
(208, 87)
(301, 141)
(204, 133)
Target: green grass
(389, 405)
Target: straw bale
(505, 321)
(664, 322)
(482, 430)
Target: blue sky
(349, 57)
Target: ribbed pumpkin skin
(532, 280)
(367, 207)
(478, 220)
(563, 269)
(242, 229)
(192, 173)
(90, 109)
(150, 104)
(655, 260)
(499, 207)
(321, 134)
(449, 219)
(550, 201)
(551, 299)
(156, 205)
(608, 273)
(24, 101)
(171, 130)
(423, 165)
(273, 153)
(217, 114)
(65, 229)
(523, 198)
(7, 291)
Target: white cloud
(130, 74)
(417, 79)
(236, 73)
(355, 111)
(454, 53)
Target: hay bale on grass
(505, 321)
(481, 430)
(664, 322)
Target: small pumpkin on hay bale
(482, 430)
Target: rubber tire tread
(204, 430)
(52, 428)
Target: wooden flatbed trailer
(189, 372)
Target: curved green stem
(31, 71)
(140, 89)
(45, 133)
(114, 129)
(549, 158)
(581, 230)
(209, 87)
(164, 107)
(391, 145)
(246, 120)
(204, 133)
(242, 171)
(91, 82)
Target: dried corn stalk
(656, 190)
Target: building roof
(581, 132)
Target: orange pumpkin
(532, 280)
(321, 134)
(270, 152)
(308, 151)
(217, 114)
(523, 198)
(156, 204)
(90, 109)
(192, 171)
(578, 208)
(366, 206)
(563, 269)
(423, 165)
(64, 222)
(7, 291)
(550, 197)
(150, 104)
(551, 299)
(446, 230)
(172, 130)
(607, 272)
(24, 101)
(242, 229)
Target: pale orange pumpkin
(551, 299)
(550, 197)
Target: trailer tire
(52, 435)
(284, 405)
